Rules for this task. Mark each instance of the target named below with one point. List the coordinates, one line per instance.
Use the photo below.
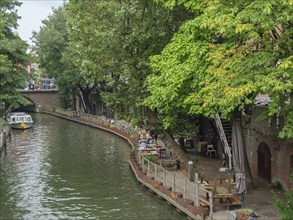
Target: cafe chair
(163, 153)
(211, 151)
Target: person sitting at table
(155, 137)
(150, 141)
(148, 135)
(143, 144)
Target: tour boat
(20, 120)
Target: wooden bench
(222, 196)
(232, 200)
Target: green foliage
(13, 57)
(285, 206)
(220, 60)
(151, 158)
(171, 63)
(113, 41)
(50, 43)
(50, 46)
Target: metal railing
(96, 119)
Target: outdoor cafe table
(221, 192)
(152, 150)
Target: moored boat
(20, 120)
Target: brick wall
(263, 131)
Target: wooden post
(164, 177)
(211, 204)
(184, 190)
(156, 171)
(215, 185)
(142, 164)
(148, 167)
(196, 199)
(174, 182)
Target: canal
(64, 170)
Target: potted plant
(243, 214)
(152, 158)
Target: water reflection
(63, 170)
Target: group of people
(146, 138)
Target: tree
(220, 60)
(50, 46)
(13, 57)
(89, 41)
(147, 28)
(114, 40)
(50, 42)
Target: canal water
(64, 170)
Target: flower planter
(243, 214)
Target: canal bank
(181, 193)
(4, 132)
(166, 184)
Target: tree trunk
(87, 103)
(182, 144)
(84, 93)
(178, 153)
(74, 101)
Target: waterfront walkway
(124, 131)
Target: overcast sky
(32, 13)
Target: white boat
(20, 120)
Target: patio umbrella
(238, 159)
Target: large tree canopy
(50, 43)
(13, 58)
(220, 60)
(113, 41)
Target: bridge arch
(41, 98)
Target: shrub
(285, 206)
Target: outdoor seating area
(223, 192)
(158, 153)
(156, 150)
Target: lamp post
(190, 171)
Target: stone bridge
(41, 98)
